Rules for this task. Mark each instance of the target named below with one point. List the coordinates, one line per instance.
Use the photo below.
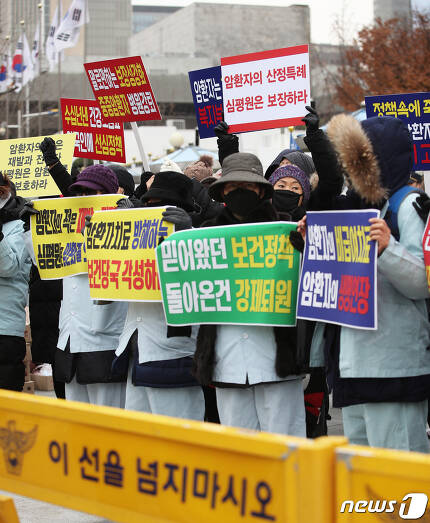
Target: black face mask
(242, 201)
(286, 201)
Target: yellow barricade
(7, 510)
(130, 466)
(381, 485)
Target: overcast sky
(324, 13)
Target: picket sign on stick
(140, 146)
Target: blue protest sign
(206, 88)
(338, 280)
(414, 108)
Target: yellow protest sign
(22, 161)
(381, 484)
(58, 244)
(121, 254)
(133, 467)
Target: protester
(159, 357)
(88, 332)
(325, 176)
(254, 369)
(15, 267)
(381, 378)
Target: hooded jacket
(393, 362)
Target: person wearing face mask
(158, 357)
(381, 378)
(254, 368)
(15, 267)
(291, 191)
(321, 168)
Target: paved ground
(33, 511)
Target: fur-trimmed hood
(376, 154)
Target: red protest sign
(266, 90)
(122, 90)
(95, 138)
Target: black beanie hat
(125, 179)
(172, 187)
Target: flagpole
(22, 22)
(59, 69)
(7, 86)
(40, 45)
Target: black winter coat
(207, 209)
(45, 301)
(290, 354)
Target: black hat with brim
(171, 187)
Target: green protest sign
(236, 274)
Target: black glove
(221, 129)
(47, 148)
(25, 214)
(312, 120)
(178, 217)
(422, 206)
(227, 143)
(297, 241)
(124, 203)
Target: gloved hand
(297, 241)
(178, 217)
(312, 120)
(422, 206)
(47, 148)
(227, 143)
(124, 203)
(221, 129)
(25, 214)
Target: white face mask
(4, 201)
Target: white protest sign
(266, 90)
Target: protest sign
(414, 109)
(338, 279)
(206, 89)
(58, 244)
(236, 274)
(120, 247)
(22, 160)
(95, 138)
(266, 90)
(122, 90)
